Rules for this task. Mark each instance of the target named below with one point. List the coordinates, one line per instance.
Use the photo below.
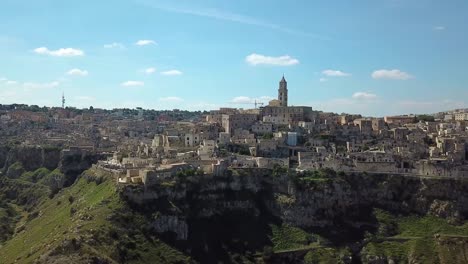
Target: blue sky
(375, 57)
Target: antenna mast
(63, 100)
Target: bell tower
(283, 92)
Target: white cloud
(258, 59)
(63, 52)
(439, 28)
(150, 70)
(33, 85)
(132, 83)
(335, 73)
(323, 79)
(364, 96)
(171, 73)
(77, 72)
(114, 45)
(173, 99)
(242, 100)
(145, 42)
(11, 82)
(391, 74)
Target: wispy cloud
(28, 86)
(77, 72)
(323, 79)
(242, 100)
(364, 96)
(258, 59)
(145, 42)
(173, 99)
(250, 100)
(335, 73)
(171, 73)
(132, 83)
(63, 52)
(114, 45)
(218, 14)
(150, 70)
(33, 85)
(391, 74)
(439, 28)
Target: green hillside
(83, 223)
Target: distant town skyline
(373, 58)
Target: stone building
(378, 124)
(365, 125)
(262, 128)
(399, 120)
(232, 122)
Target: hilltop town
(147, 146)
(274, 184)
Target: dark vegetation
(424, 118)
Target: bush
(279, 171)
(15, 170)
(267, 252)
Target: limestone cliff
(32, 157)
(339, 207)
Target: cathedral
(279, 112)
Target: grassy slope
(424, 239)
(286, 238)
(81, 213)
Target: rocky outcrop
(74, 161)
(32, 157)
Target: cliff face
(73, 163)
(317, 203)
(195, 214)
(32, 157)
(320, 203)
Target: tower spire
(283, 92)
